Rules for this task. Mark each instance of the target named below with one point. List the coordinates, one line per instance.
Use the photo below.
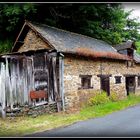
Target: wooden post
(47, 63)
(55, 82)
(61, 79)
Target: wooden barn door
(105, 84)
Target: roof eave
(75, 53)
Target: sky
(135, 7)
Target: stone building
(69, 67)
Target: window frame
(87, 77)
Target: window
(117, 79)
(130, 64)
(138, 81)
(85, 81)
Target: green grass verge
(26, 125)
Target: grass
(19, 126)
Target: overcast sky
(135, 7)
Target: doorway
(105, 84)
(130, 84)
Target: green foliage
(13, 15)
(5, 46)
(138, 46)
(99, 98)
(114, 97)
(108, 22)
(132, 95)
(105, 21)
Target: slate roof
(68, 42)
(125, 45)
(136, 57)
(65, 40)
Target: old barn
(52, 69)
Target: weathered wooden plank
(3, 99)
(55, 84)
(47, 63)
(30, 78)
(7, 83)
(50, 80)
(18, 84)
(13, 81)
(22, 77)
(61, 81)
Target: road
(125, 123)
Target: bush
(114, 97)
(99, 98)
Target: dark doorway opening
(130, 84)
(105, 84)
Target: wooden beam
(87, 76)
(104, 75)
(61, 83)
(18, 36)
(22, 42)
(130, 75)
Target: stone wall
(33, 42)
(32, 111)
(74, 66)
(137, 87)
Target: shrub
(114, 97)
(99, 98)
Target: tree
(108, 22)
(12, 17)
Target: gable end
(33, 42)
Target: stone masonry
(75, 66)
(33, 42)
